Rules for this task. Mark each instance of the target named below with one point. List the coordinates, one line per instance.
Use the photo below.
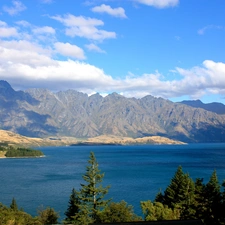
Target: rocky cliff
(42, 113)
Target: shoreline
(21, 157)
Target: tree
(118, 212)
(158, 211)
(91, 195)
(179, 194)
(213, 200)
(200, 203)
(222, 214)
(13, 205)
(48, 216)
(73, 206)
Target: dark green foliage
(13, 205)
(91, 195)
(92, 192)
(118, 212)
(179, 194)
(48, 216)
(200, 203)
(23, 152)
(73, 207)
(213, 199)
(195, 200)
(222, 210)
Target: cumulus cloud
(94, 48)
(204, 29)
(6, 31)
(159, 3)
(16, 8)
(44, 30)
(85, 27)
(116, 12)
(31, 65)
(69, 50)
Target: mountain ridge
(215, 107)
(75, 114)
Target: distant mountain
(42, 113)
(215, 107)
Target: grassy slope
(19, 140)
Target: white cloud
(117, 12)
(6, 31)
(44, 30)
(16, 53)
(84, 27)
(29, 64)
(67, 49)
(159, 3)
(95, 48)
(15, 9)
(23, 23)
(204, 29)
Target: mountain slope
(216, 107)
(71, 113)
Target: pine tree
(222, 214)
(180, 194)
(213, 200)
(199, 204)
(13, 205)
(73, 206)
(92, 192)
(86, 204)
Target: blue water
(135, 173)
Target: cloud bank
(25, 64)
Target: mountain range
(42, 113)
(216, 107)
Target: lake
(135, 173)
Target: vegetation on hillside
(13, 216)
(183, 199)
(19, 152)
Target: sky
(174, 49)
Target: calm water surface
(135, 173)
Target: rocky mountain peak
(72, 113)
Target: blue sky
(173, 49)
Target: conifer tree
(222, 214)
(13, 205)
(213, 200)
(92, 192)
(73, 206)
(199, 203)
(86, 204)
(180, 194)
